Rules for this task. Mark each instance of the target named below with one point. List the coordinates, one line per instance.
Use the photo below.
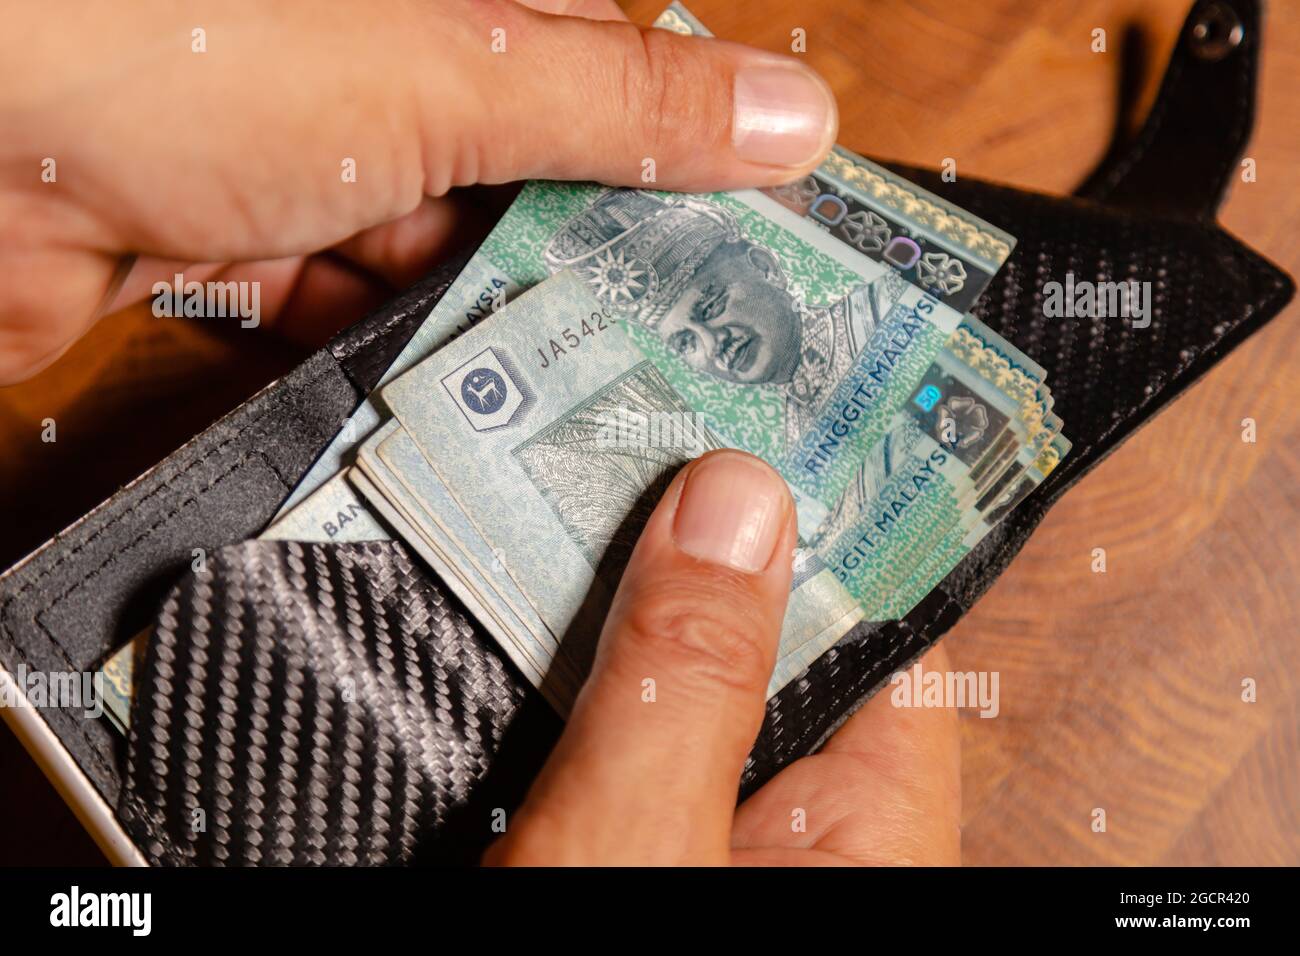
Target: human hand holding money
(513, 444)
(237, 141)
(818, 331)
(647, 768)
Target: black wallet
(331, 703)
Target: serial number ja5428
(571, 339)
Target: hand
(197, 160)
(699, 612)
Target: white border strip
(67, 776)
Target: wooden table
(1120, 690)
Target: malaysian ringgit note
(523, 432)
(398, 482)
(395, 479)
(945, 251)
(934, 245)
(876, 272)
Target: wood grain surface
(1120, 691)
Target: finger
(591, 9)
(353, 128)
(660, 732)
(571, 98)
(886, 789)
(146, 271)
(302, 299)
(327, 295)
(403, 250)
(397, 253)
(47, 300)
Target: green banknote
(938, 247)
(395, 479)
(526, 440)
(976, 523)
(755, 307)
(962, 443)
(954, 254)
(918, 480)
(755, 315)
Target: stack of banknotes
(600, 338)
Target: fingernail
(732, 512)
(784, 115)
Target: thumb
(573, 98)
(648, 766)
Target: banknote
(761, 311)
(330, 513)
(935, 246)
(428, 518)
(755, 314)
(875, 194)
(938, 247)
(522, 437)
(952, 257)
(440, 523)
(1024, 454)
(116, 683)
(976, 524)
(408, 494)
(917, 481)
